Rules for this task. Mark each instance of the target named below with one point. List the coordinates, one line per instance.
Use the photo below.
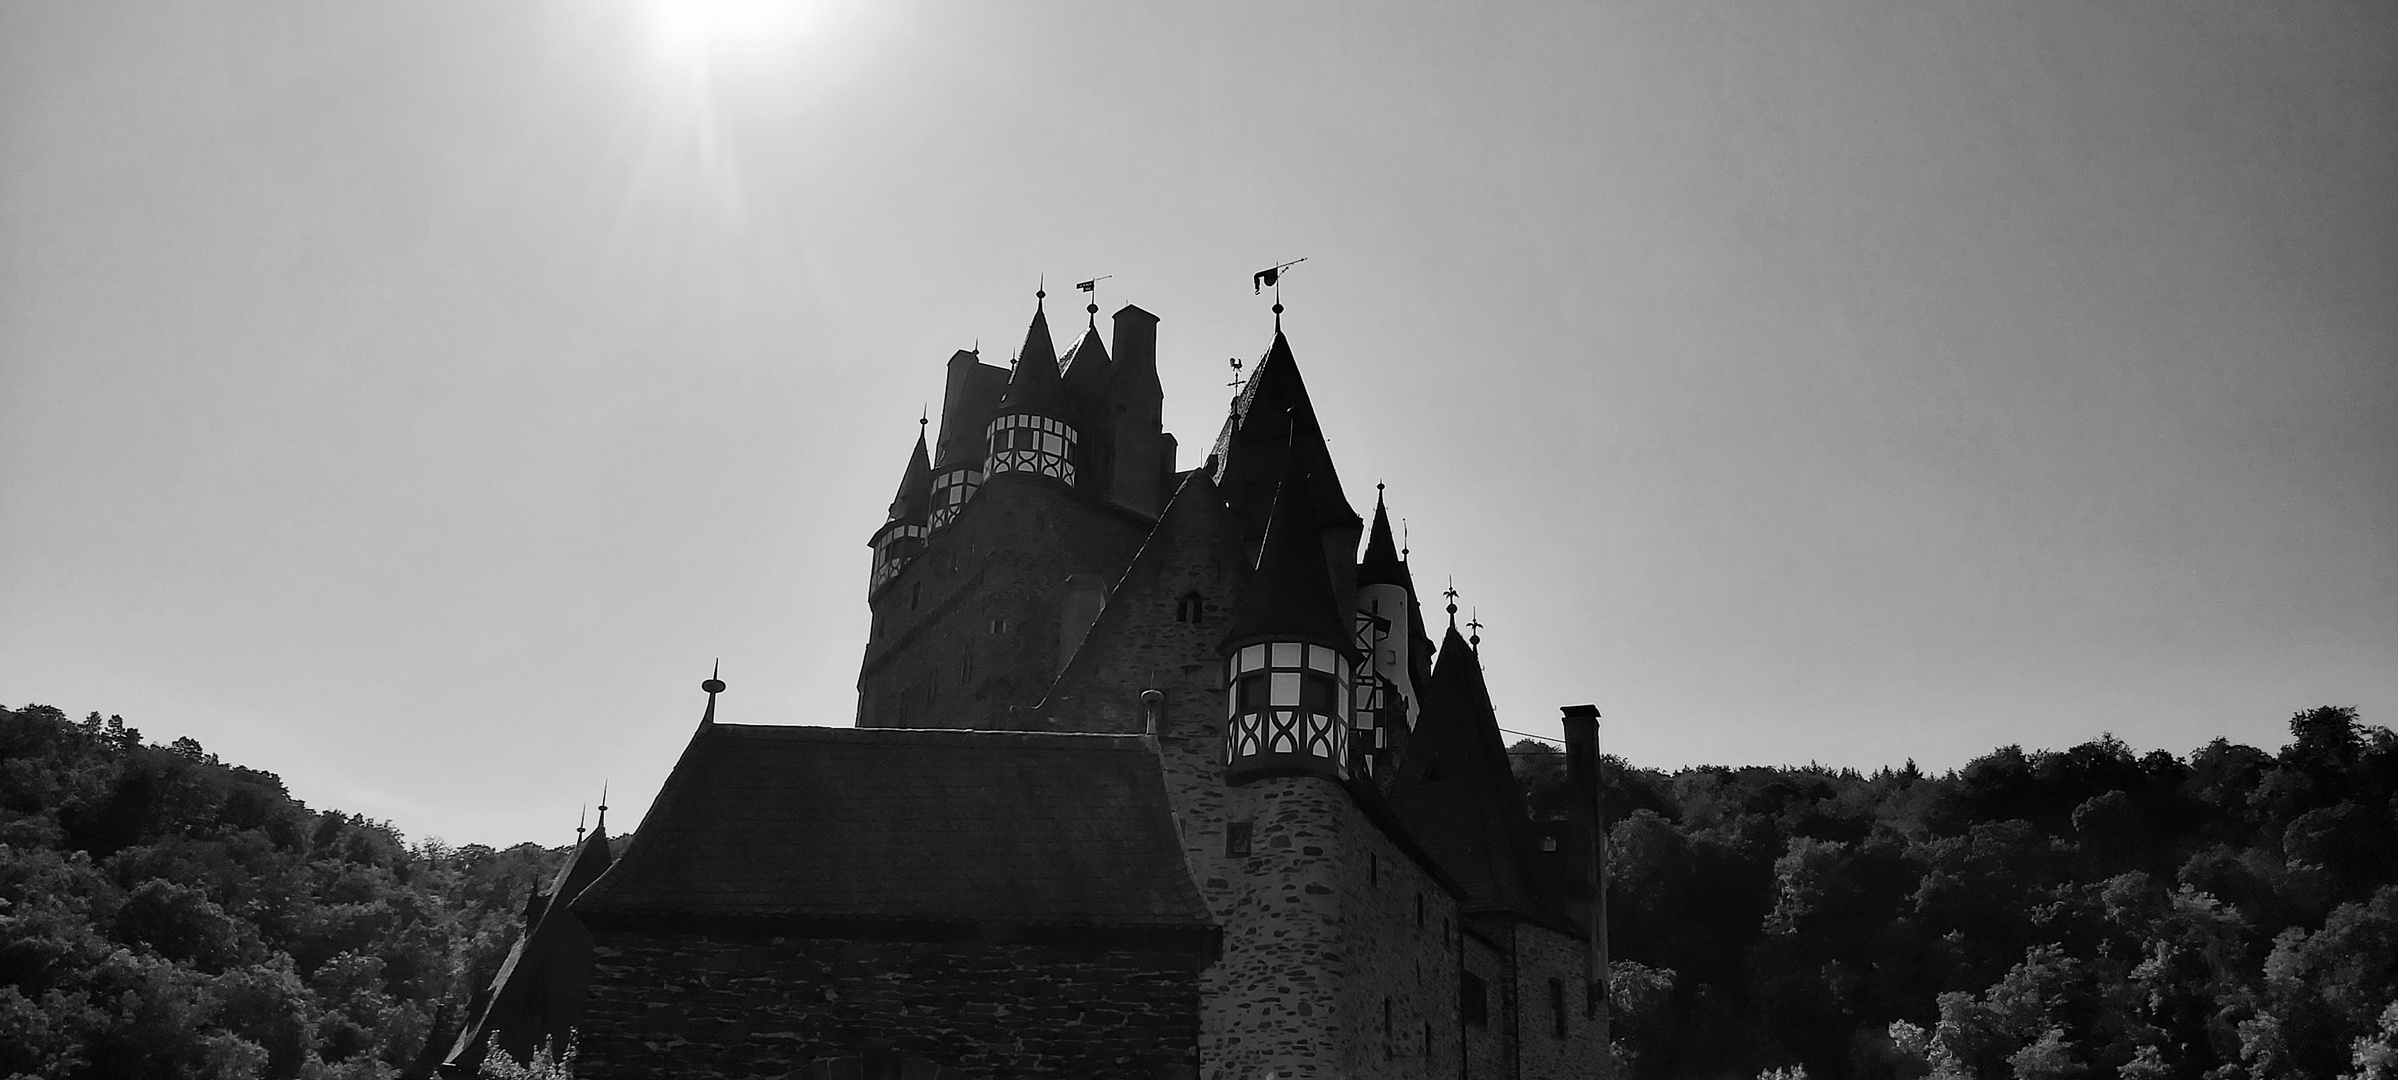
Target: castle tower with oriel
(1153, 774)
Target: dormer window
(1289, 710)
(1028, 442)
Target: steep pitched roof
(913, 504)
(1272, 418)
(1457, 794)
(900, 825)
(1036, 386)
(532, 999)
(1291, 597)
(1380, 564)
(1086, 361)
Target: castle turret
(1389, 627)
(901, 536)
(972, 393)
(1288, 653)
(1033, 430)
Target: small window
(1593, 994)
(1548, 843)
(1419, 911)
(966, 667)
(1237, 838)
(1557, 1007)
(1386, 1028)
(1373, 868)
(1191, 608)
(999, 624)
(1473, 999)
(1427, 1038)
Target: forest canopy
(2093, 911)
(2049, 914)
(163, 914)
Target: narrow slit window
(1238, 837)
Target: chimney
(1587, 889)
(1135, 401)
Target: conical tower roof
(1381, 565)
(1036, 386)
(1457, 794)
(1271, 419)
(1291, 597)
(913, 504)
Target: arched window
(1190, 608)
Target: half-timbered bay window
(951, 488)
(898, 543)
(1289, 711)
(1029, 442)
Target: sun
(694, 30)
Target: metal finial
(1451, 593)
(1475, 624)
(603, 807)
(580, 814)
(1041, 293)
(924, 417)
(713, 686)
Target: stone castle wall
(939, 654)
(1543, 955)
(689, 1005)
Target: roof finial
(1475, 624)
(1092, 287)
(579, 816)
(713, 686)
(924, 416)
(602, 823)
(1451, 593)
(1041, 293)
(1402, 538)
(1236, 372)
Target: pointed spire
(913, 503)
(713, 686)
(603, 809)
(1381, 565)
(1291, 597)
(1036, 386)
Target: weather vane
(1236, 372)
(1092, 287)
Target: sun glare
(698, 29)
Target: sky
(415, 399)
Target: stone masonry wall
(935, 657)
(1489, 1051)
(1319, 917)
(708, 1006)
(1543, 954)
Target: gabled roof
(1272, 417)
(907, 826)
(1036, 386)
(1457, 795)
(524, 1005)
(1291, 597)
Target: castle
(1153, 774)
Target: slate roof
(909, 825)
(1456, 793)
(1272, 418)
(1291, 597)
(1037, 386)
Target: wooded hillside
(166, 915)
(2088, 912)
